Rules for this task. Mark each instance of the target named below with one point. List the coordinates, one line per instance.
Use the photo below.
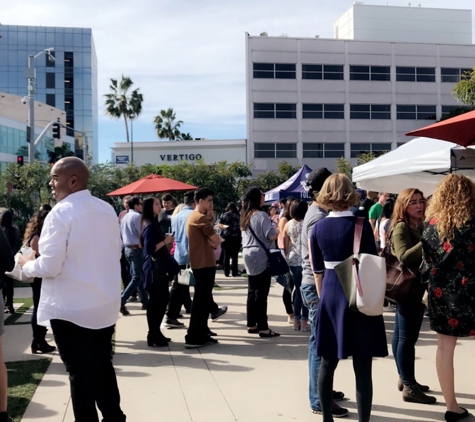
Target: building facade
(68, 83)
(210, 151)
(13, 129)
(312, 100)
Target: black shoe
(337, 411)
(160, 342)
(41, 347)
(454, 416)
(173, 323)
(219, 314)
(124, 311)
(211, 333)
(144, 307)
(338, 395)
(203, 343)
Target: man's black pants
(86, 353)
(202, 304)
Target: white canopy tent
(420, 163)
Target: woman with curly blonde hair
(448, 245)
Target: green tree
(186, 137)
(344, 166)
(167, 126)
(464, 91)
(456, 112)
(286, 170)
(121, 102)
(24, 189)
(60, 152)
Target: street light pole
(30, 74)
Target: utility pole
(30, 74)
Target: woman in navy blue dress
(154, 243)
(341, 332)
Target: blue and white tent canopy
(296, 186)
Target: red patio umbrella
(459, 130)
(151, 184)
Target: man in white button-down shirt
(80, 250)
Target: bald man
(79, 250)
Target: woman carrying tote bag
(341, 332)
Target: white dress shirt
(79, 262)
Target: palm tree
(122, 103)
(166, 126)
(60, 152)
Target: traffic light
(19, 160)
(56, 130)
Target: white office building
(388, 70)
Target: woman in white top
(383, 223)
(292, 252)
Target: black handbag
(165, 266)
(276, 261)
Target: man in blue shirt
(130, 232)
(180, 294)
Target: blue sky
(185, 54)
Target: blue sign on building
(122, 159)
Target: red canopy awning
(152, 184)
(459, 130)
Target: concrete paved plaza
(243, 378)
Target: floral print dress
(451, 270)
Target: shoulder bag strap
(357, 238)
(258, 240)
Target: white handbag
(186, 277)
(17, 272)
(363, 278)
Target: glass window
(285, 111)
(50, 80)
(380, 147)
(380, 73)
(334, 72)
(312, 150)
(312, 111)
(48, 62)
(287, 150)
(263, 70)
(264, 110)
(262, 150)
(359, 73)
(360, 111)
(312, 71)
(425, 112)
(285, 71)
(449, 74)
(381, 111)
(405, 74)
(425, 74)
(51, 100)
(334, 150)
(68, 59)
(406, 112)
(357, 149)
(333, 111)
(274, 70)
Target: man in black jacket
(7, 263)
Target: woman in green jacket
(405, 234)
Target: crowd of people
(87, 264)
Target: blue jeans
(310, 300)
(408, 321)
(300, 310)
(134, 257)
